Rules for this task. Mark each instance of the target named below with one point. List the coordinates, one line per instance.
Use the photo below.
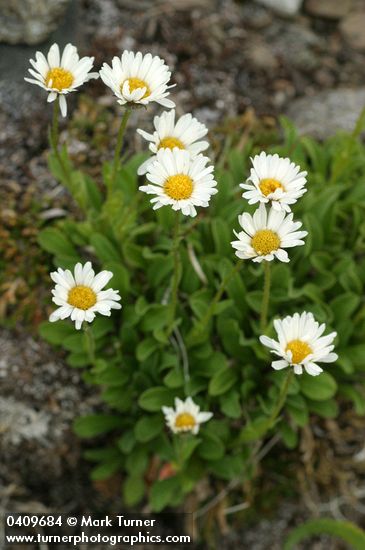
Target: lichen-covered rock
(29, 21)
(323, 114)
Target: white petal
(63, 105)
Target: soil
(226, 57)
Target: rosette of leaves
(139, 367)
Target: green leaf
(95, 424)
(102, 454)
(94, 196)
(356, 396)
(254, 300)
(148, 428)
(222, 236)
(174, 379)
(199, 302)
(222, 381)
(146, 348)
(355, 355)
(112, 376)
(345, 530)
(101, 326)
(106, 469)
(155, 398)
(137, 461)
(228, 467)
(318, 388)
(155, 318)
(298, 410)
(163, 492)
(231, 334)
(289, 435)
(126, 442)
(105, 250)
(325, 409)
(75, 342)
(55, 333)
(343, 306)
(186, 445)
(121, 278)
(133, 489)
(314, 239)
(211, 365)
(78, 359)
(211, 447)
(231, 405)
(255, 429)
(54, 241)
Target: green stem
(266, 296)
(119, 145)
(275, 413)
(90, 343)
(210, 312)
(54, 141)
(282, 397)
(54, 129)
(176, 275)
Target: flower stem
(90, 342)
(266, 296)
(119, 145)
(54, 142)
(282, 397)
(210, 312)
(54, 129)
(176, 276)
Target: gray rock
(19, 422)
(283, 7)
(296, 44)
(352, 28)
(39, 399)
(328, 8)
(327, 112)
(29, 21)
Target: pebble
(261, 56)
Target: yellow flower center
(135, 84)
(178, 187)
(170, 143)
(82, 297)
(59, 78)
(265, 241)
(299, 350)
(269, 185)
(185, 420)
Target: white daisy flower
(265, 236)
(185, 133)
(185, 417)
(80, 294)
(60, 75)
(301, 344)
(138, 78)
(180, 181)
(276, 180)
